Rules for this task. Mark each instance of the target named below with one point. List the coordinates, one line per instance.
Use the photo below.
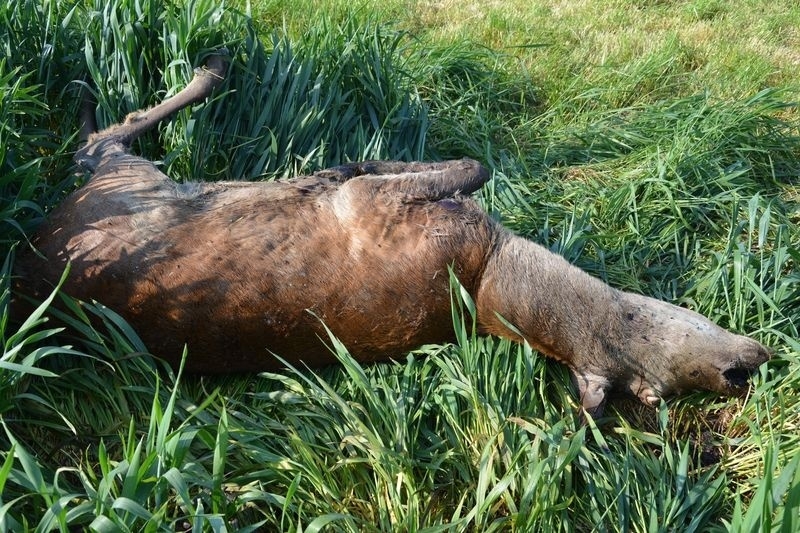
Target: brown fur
(240, 270)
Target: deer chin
(732, 380)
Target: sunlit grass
(732, 49)
(652, 143)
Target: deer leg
(118, 138)
(88, 121)
(417, 180)
(592, 389)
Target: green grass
(655, 144)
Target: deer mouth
(738, 377)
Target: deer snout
(734, 378)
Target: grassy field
(655, 144)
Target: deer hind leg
(117, 138)
(416, 180)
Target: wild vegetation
(654, 144)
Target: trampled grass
(655, 144)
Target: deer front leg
(592, 390)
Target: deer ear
(592, 390)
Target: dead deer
(242, 270)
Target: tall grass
(623, 165)
(339, 94)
